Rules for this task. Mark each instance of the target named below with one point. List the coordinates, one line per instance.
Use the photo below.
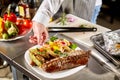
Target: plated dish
(17, 37)
(55, 75)
(58, 64)
(14, 29)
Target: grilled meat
(74, 59)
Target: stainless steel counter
(13, 52)
(96, 69)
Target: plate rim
(11, 39)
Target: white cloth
(98, 2)
(47, 9)
(82, 9)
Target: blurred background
(110, 14)
(109, 17)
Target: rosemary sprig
(63, 19)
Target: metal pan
(99, 45)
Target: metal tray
(99, 45)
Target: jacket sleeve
(47, 9)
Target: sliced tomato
(22, 30)
(20, 26)
(23, 25)
(19, 22)
(27, 23)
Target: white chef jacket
(47, 9)
(83, 9)
(98, 2)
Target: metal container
(3, 63)
(98, 42)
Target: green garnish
(53, 38)
(82, 26)
(60, 53)
(86, 26)
(63, 55)
(57, 51)
(73, 46)
(63, 19)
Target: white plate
(17, 37)
(54, 75)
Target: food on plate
(5, 36)
(11, 29)
(58, 54)
(8, 29)
(11, 26)
(1, 27)
(23, 25)
(74, 59)
(10, 17)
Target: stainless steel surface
(114, 61)
(11, 49)
(105, 63)
(93, 68)
(21, 64)
(99, 45)
(13, 53)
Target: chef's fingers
(39, 39)
(33, 39)
(45, 35)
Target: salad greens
(73, 46)
(53, 38)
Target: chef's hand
(40, 34)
